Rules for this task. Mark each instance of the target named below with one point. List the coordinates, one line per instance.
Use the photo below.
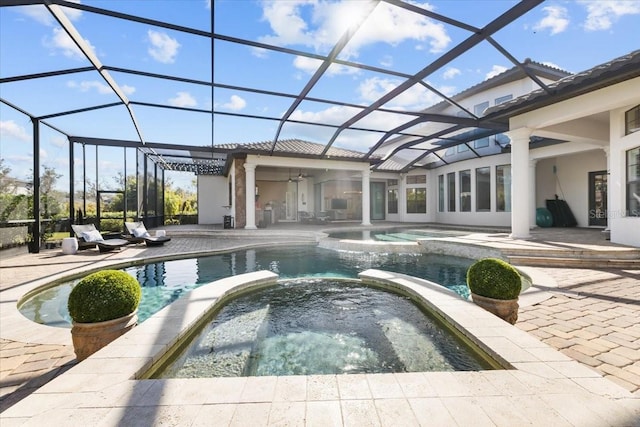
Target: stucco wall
(572, 183)
(212, 198)
(545, 181)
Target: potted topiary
(495, 286)
(103, 306)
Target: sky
(572, 35)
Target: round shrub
(102, 296)
(494, 278)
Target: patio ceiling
(188, 136)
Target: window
(451, 191)
(465, 191)
(483, 189)
(481, 143)
(392, 182)
(392, 201)
(633, 182)
(450, 151)
(440, 193)
(416, 179)
(503, 99)
(416, 200)
(462, 148)
(478, 109)
(503, 188)
(632, 120)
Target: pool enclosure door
(377, 200)
(110, 211)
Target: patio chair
(89, 237)
(136, 232)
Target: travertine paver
(594, 318)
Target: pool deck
(591, 315)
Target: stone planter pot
(91, 337)
(507, 310)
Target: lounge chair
(137, 233)
(89, 237)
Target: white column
(366, 198)
(532, 193)
(607, 150)
(250, 191)
(520, 199)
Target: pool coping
(105, 387)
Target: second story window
(632, 120)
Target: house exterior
(597, 115)
(576, 140)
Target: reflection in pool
(164, 282)
(318, 326)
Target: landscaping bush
(494, 278)
(102, 296)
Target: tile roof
(294, 147)
(510, 75)
(615, 71)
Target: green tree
(50, 198)
(130, 186)
(172, 202)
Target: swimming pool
(320, 327)
(164, 282)
(394, 234)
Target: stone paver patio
(592, 316)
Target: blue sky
(572, 35)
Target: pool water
(318, 326)
(165, 282)
(393, 235)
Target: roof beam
(46, 74)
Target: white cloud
(601, 14)
(495, 70)
(387, 61)
(42, 15)
(336, 115)
(310, 65)
(60, 41)
(163, 47)
(235, 103)
(329, 20)
(555, 20)
(183, 99)
(10, 129)
(417, 97)
(450, 73)
(59, 141)
(128, 90)
(100, 87)
(259, 52)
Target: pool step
(586, 258)
(416, 351)
(583, 262)
(224, 350)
